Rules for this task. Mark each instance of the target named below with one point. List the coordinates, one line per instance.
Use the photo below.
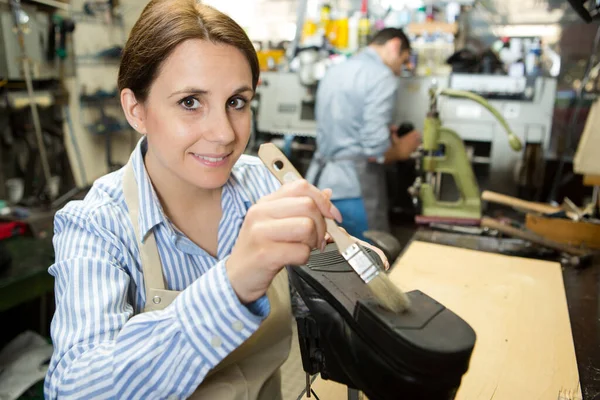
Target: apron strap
(322, 163)
(157, 297)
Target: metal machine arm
(513, 140)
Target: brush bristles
(389, 295)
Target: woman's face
(197, 113)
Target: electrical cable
(574, 117)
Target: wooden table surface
(518, 309)
(582, 288)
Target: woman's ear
(134, 111)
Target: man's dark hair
(386, 34)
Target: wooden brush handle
(285, 172)
(510, 201)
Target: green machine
(454, 161)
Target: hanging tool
(573, 228)
(568, 205)
(453, 161)
(571, 255)
(523, 205)
(18, 13)
(388, 294)
(467, 230)
(492, 223)
(564, 230)
(57, 39)
(568, 209)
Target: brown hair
(386, 34)
(162, 26)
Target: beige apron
(252, 370)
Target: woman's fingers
(293, 230)
(295, 207)
(302, 188)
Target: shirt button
(237, 326)
(216, 341)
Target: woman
(169, 274)
(169, 279)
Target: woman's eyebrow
(189, 90)
(243, 89)
(193, 90)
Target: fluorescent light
(522, 30)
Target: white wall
(86, 151)
(262, 19)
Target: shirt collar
(372, 54)
(151, 212)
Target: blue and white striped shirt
(104, 347)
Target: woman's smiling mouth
(212, 160)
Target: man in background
(355, 136)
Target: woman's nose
(220, 128)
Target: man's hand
(403, 146)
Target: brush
(387, 293)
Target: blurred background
(62, 127)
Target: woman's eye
(190, 103)
(237, 103)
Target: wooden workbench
(582, 288)
(571, 356)
(518, 309)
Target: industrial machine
(444, 153)
(36, 40)
(284, 114)
(526, 103)
(286, 105)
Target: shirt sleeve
(102, 350)
(377, 116)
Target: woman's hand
(280, 229)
